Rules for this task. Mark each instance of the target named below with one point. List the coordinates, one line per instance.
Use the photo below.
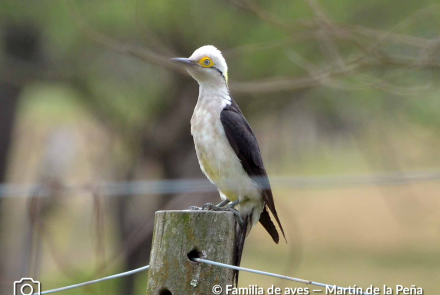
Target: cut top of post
(179, 234)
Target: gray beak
(183, 60)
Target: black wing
(243, 141)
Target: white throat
(219, 93)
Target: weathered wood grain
(176, 233)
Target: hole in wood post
(165, 291)
(194, 254)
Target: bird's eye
(206, 62)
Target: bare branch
(301, 30)
(316, 73)
(135, 51)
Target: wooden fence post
(177, 234)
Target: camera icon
(27, 286)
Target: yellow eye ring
(206, 62)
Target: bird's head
(207, 65)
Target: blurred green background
(331, 88)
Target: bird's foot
(218, 207)
(233, 204)
(227, 208)
(210, 206)
(223, 206)
(236, 214)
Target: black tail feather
(241, 233)
(267, 223)
(268, 199)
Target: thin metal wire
(275, 275)
(203, 185)
(127, 273)
(131, 272)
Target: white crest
(212, 75)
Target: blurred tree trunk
(8, 105)
(21, 44)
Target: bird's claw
(234, 211)
(206, 207)
(209, 206)
(228, 208)
(237, 216)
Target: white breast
(216, 157)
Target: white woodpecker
(227, 149)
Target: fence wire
(123, 274)
(276, 275)
(201, 260)
(202, 185)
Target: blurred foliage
(130, 120)
(132, 91)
